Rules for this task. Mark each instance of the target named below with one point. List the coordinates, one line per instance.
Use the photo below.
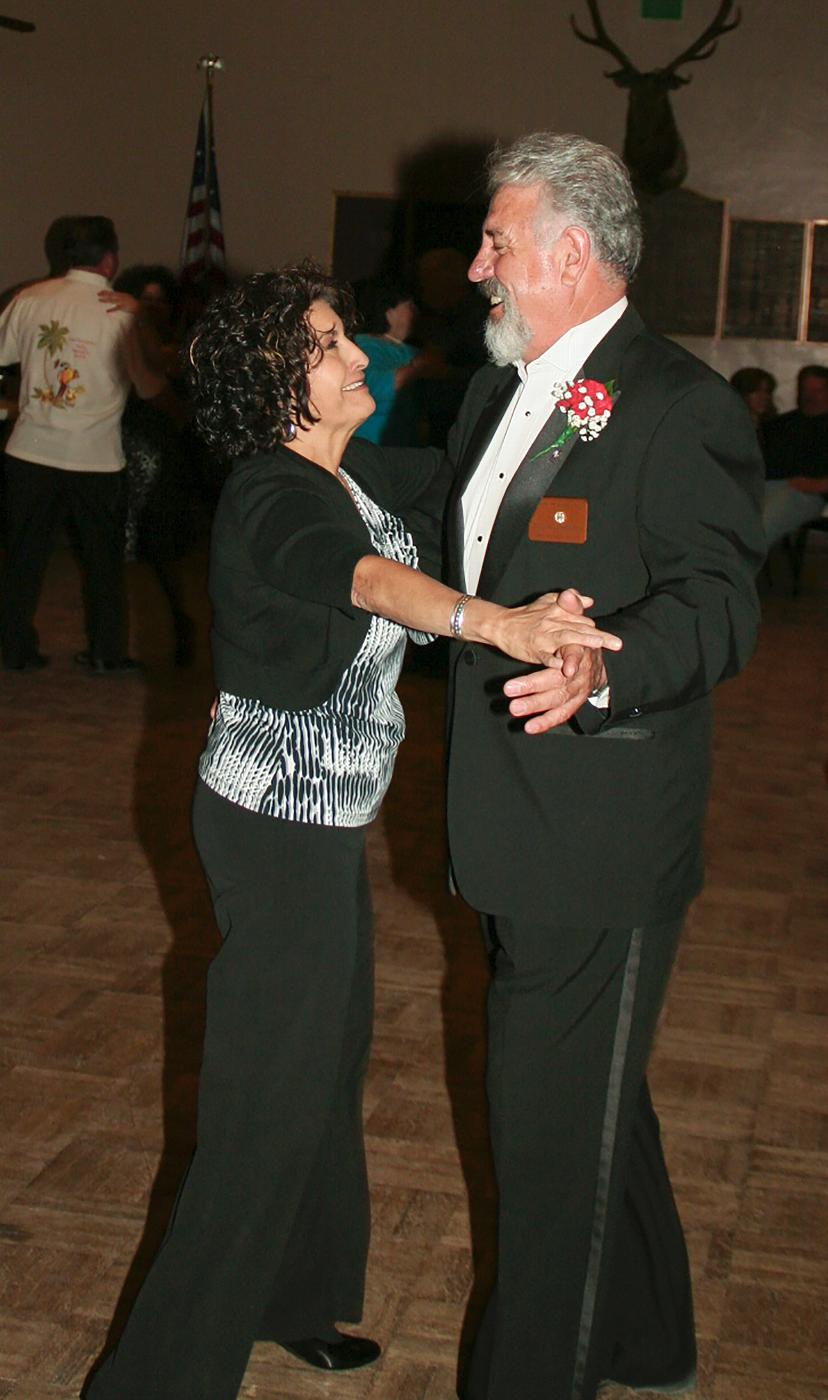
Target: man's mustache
(492, 288)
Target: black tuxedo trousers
(592, 1279)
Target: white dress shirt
(540, 385)
(533, 401)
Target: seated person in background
(796, 458)
(387, 312)
(756, 386)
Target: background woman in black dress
(159, 524)
(310, 562)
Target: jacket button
(470, 657)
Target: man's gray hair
(585, 184)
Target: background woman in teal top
(387, 311)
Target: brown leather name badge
(559, 520)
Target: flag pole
(210, 64)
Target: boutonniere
(587, 405)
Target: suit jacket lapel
(479, 438)
(603, 363)
(531, 481)
(536, 474)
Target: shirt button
(479, 539)
(470, 657)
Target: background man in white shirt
(77, 360)
(575, 820)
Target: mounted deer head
(653, 150)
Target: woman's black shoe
(344, 1355)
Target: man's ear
(108, 266)
(576, 251)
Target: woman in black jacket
(314, 579)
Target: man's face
(813, 395)
(519, 264)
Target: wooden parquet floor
(105, 937)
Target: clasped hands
(571, 646)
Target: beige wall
(99, 107)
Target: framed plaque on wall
(817, 328)
(764, 279)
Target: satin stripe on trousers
(592, 1279)
(269, 1237)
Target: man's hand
(554, 695)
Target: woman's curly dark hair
(249, 356)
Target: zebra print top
(330, 765)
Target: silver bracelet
(456, 619)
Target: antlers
(704, 46)
(602, 39)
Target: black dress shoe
(125, 665)
(345, 1355)
(33, 662)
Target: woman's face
(336, 380)
(154, 301)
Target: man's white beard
(508, 336)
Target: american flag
(202, 244)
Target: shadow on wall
(438, 202)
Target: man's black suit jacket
(599, 822)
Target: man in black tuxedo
(575, 806)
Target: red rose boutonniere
(587, 405)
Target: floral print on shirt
(63, 390)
